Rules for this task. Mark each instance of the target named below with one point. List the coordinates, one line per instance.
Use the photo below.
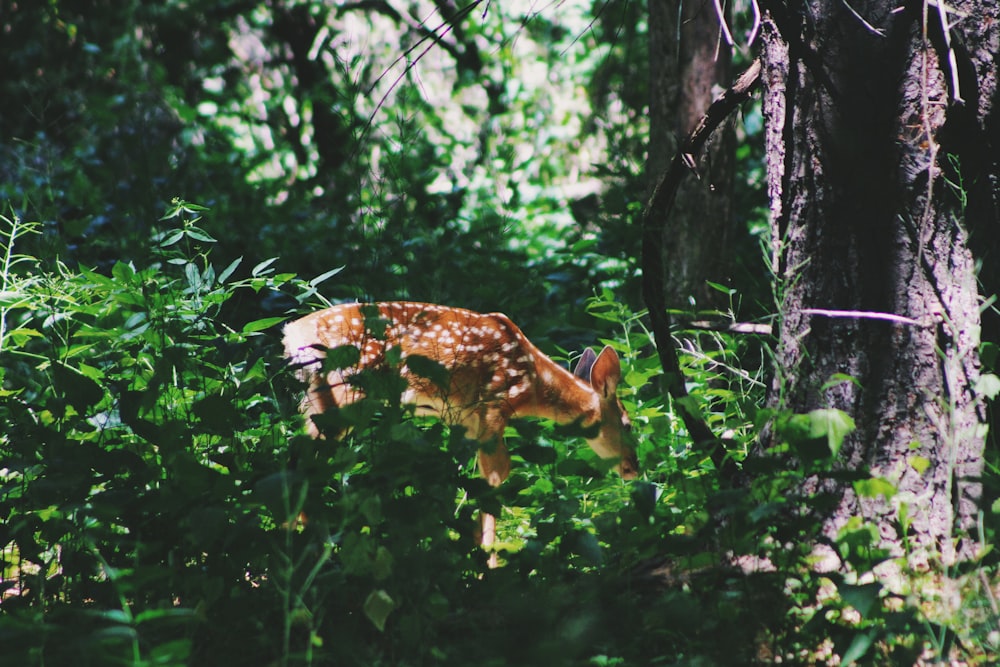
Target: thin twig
(720, 12)
(877, 31)
(756, 23)
(728, 326)
(862, 315)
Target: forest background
(179, 179)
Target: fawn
(494, 373)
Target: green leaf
(260, 325)
(839, 379)
(172, 652)
(835, 425)
(858, 647)
(79, 390)
(382, 567)
(341, 357)
(377, 608)
(874, 487)
(180, 613)
(171, 238)
(429, 369)
(199, 235)
(123, 272)
(193, 276)
(228, 271)
(988, 385)
(13, 299)
(720, 288)
(586, 545)
(919, 463)
(323, 276)
(537, 454)
(988, 353)
(262, 267)
(863, 597)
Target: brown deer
(494, 373)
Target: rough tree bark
(869, 107)
(688, 62)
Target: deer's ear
(584, 364)
(606, 372)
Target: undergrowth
(162, 505)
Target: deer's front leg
(495, 468)
(494, 462)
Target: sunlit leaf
(324, 276)
(262, 324)
(874, 487)
(199, 235)
(834, 425)
(228, 271)
(262, 267)
(988, 385)
(919, 463)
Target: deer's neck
(559, 395)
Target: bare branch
(728, 326)
(863, 315)
(654, 269)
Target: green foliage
(159, 503)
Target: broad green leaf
(377, 608)
(429, 369)
(171, 238)
(199, 234)
(988, 385)
(79, 390)
(341, 357)
(834, 425)
(123, 272)
(988, 353)
(919, 463)
(874, 487)
(97, 278)
(862, 597)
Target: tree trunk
(864, 130)
(687, 60)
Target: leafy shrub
(161, 504)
